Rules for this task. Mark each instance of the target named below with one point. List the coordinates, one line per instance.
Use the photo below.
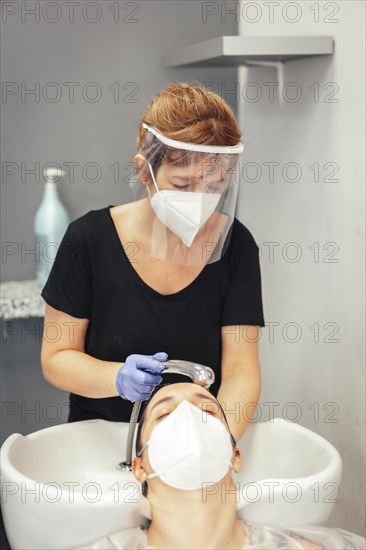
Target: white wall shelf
(241, 50)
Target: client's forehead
(173, 394)
(181, 390)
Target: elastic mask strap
(153, 177)
(154, 474)
(143, 448)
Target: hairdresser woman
(171, 275)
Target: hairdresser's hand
(137, 378)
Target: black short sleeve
(68, 287)
(243, 301)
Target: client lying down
(181, 447)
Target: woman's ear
(138, 470)
(142, 169)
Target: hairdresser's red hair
(190, 114)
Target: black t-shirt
(93, 277)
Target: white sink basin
(290, 475)
(61, 488)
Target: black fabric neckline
(137, 277)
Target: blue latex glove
(137, 378)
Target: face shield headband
(192, 190)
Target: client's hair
(139, 445)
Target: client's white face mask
(189, 448)
(183, 212)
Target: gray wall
(28, 402)
(312, 349)
(102, 132)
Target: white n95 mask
(189, 448)
(183, 212)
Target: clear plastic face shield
(187, 195)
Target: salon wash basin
(61, 487)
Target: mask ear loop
(152, 475)
(139, 454)
(234, 442)
(153, 178)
